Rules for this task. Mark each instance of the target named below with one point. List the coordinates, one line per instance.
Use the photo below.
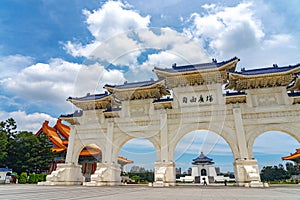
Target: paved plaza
(132, 192)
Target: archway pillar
(68, 173)
(245, 169)
(164, 174)
(247, 173)
(109, 171)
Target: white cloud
(202, 141)
(276, 147)
(54, 82)
(27, 122)
(121, 34)
(9, 65)
(242, 31)
(229, 29)
(173, 47)
(113, 19)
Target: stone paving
(132, 192)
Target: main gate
(183, 99)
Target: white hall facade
(183, 99)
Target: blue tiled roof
(162, 100)
(268, 70)
(194, 67)
(77, 113)
(294, 94)
(133, 84)
(202, 159)
(90, 97)
(234, 93)
(113, 109)
(6, 169)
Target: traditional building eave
(92, 102)
(138, 90)
(112, 113)
(162, 103)
(237, 97)
(293, 156)
(72, 118)
(295, 86)
(207, 73)
(243, 80)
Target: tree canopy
(23, 151)
(276, 173)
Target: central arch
(209, 144)
(225, 132)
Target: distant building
(189, 171)
(203, 169)
(178, 170)
(5, 175)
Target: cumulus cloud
(229, 29)
(112, 19)
(27, 122)
(121, 35)
(53, 82)
(9, 65)
(240, 31)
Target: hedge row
(31, 178)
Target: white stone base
(164, 174)
(65, 174)
(105, 175)
(247, 173)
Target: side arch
(225, 132)
(119, 143)
(256, 131)
(79, 147)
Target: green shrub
(41, 177)
(23, 178)
(33, 178)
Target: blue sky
(48, 50)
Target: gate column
(164, 174)
(109, 171)
(246, 169)
(68, 173)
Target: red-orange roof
(61, 140)
(293, 156)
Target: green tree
(275, 173)
(7, 133)
(292, 169)
(23, 151)
(29, 153)
(3, 145)
(9, 127)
